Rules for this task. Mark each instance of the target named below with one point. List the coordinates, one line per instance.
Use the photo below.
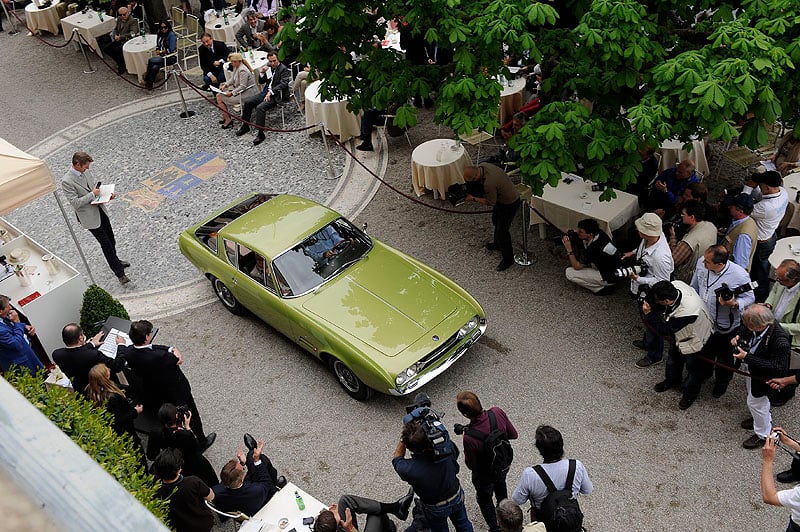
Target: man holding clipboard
(88, 199)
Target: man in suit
(212, 56)
(784, 300)
(81, 190)
(79, 356)
(276, 79)
(124, 29)
(162, 381)
(246, 491)
(250, 34)
(14, 346)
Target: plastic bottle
(141, 34)
(299, 500)
(100, 15)
(225, 18)
(252, 56)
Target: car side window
(255, 266)
(230, 250)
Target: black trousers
(483, 493)
(114, 51)
(718, 347)
(502, 216)
(105, 236)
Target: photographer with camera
(653, 263)
(741, 237)
(343, 515)
(176, 433)
(502, 195)
(763, 347)
(593, 265)
(787, 498)
(487, 451)
(698, 237)
(680, 315)
(433, 467)
(725, 288)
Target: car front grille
(441, 351)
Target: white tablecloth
(333, 114)
(257, 63)
(42, 19)
(136, 54)
(792, 185)
(220, 32)
(435, 165)
(511, 100)
(785, 248)
(672, 152)
(569, 203)
(282, 505)
(89, 26)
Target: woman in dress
(239, 86)
(166, 43)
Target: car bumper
(416, 383)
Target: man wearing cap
(14, 346)
(741, 237)
(767, 214)
(81, 189)
(500, 194)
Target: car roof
(279, 224)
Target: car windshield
(322, 256)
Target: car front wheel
(349, 381)
(226, 296)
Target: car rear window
(207, 233)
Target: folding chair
(383, 129)
(478, 138)
(165, 68)
(188, 43)
(178, 20)
(238, 517)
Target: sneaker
(753, 442)
(639, 344)
(663, 386)
(747, 424)
(646, 362)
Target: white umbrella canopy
(23, 178)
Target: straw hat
(649, 224)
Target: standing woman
(103, 392)
(166, 43)
(240, 82)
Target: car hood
(385, 301)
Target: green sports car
(380, 319)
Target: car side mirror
(364, 227)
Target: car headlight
(468, 327)
(407, 374)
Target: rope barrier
(113, 68)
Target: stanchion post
(522, 258)
(76, 35)
(186, 113)
(13, 30)
(331, 172)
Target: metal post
(10, 20)
(71, 232)
(76, 35)
(186, 114)
(522, 258)
(331, 172)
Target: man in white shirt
(787, 498)
(767, 214)
(654, 252)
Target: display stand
(51, 300)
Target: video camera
(727, 293)
(431, 422)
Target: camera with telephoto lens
(639, 268)
(726, 293)
(431, 422)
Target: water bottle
(141, 34)
(100, 15)
(299, 500)
(225, 18)
(252, 56)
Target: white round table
(220, 31)
(332, 113)
(437, 164)
(791, 183)
(511, 100)
(42, 19)
(785, 248)
(137, 53)
(258, 62)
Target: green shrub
(90, 428)
(97, 306)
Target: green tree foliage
(90, 428)
(97, 306)
(724, 69)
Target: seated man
(592, 265)
(80, 355)
(123, 31)
(276, 79)
(250, 34)
(669, 186)
(324, 245)
(213, 55)
(370, 119)
(249, 491)
(344, 514)
(187, 495)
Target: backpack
(560, 511)
(497, 453)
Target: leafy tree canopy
(724, 69)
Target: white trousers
(759, 409)
(586, 277)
